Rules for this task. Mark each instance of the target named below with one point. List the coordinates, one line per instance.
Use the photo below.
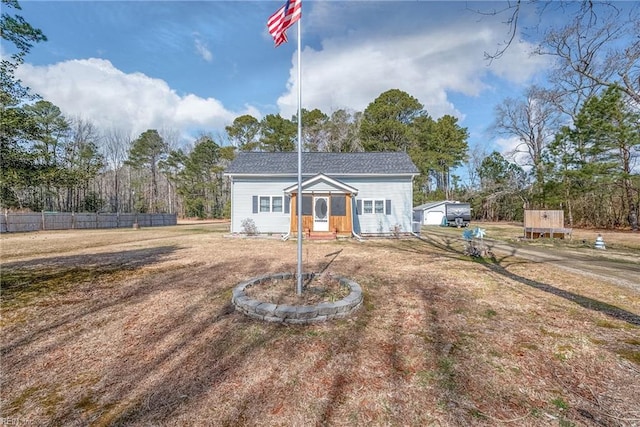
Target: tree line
(577, 140)
(578, 136)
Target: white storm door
(321, 213)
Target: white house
(342, 193)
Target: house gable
(322, 183)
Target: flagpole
(299, 285)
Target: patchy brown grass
(580, 237)
(322, 288)
(135, 327)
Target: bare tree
(476, 155)
(342, 132)
(83, 162)
(510, 10)
(599, 48)
(532, 121)
(116, 145)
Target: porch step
(321, 236)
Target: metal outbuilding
(432, 213)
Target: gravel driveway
(618, 267)
(614, 267)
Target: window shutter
(255, 204)
(359, 207)
(287, 203)
(387, 207)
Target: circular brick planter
(295, 314)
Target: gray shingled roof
(393, 163)
(429, 205)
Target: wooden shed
(545, 223)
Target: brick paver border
(296, 314)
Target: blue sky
(187, 67)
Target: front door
(321, 213)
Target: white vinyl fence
(36, 221)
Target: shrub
(249, 227)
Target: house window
(307, 205)
(276, 204)
(266, 204)
(338, 205)
(373, 206)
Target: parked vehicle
(458, 214)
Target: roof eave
(286, 175)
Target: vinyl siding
(244, 190)
(320, 187)
(397, 190)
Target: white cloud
(97, 91)
(351, 71)
(514, 150)
(203, 50)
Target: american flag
(284, 17)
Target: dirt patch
(324, 288)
